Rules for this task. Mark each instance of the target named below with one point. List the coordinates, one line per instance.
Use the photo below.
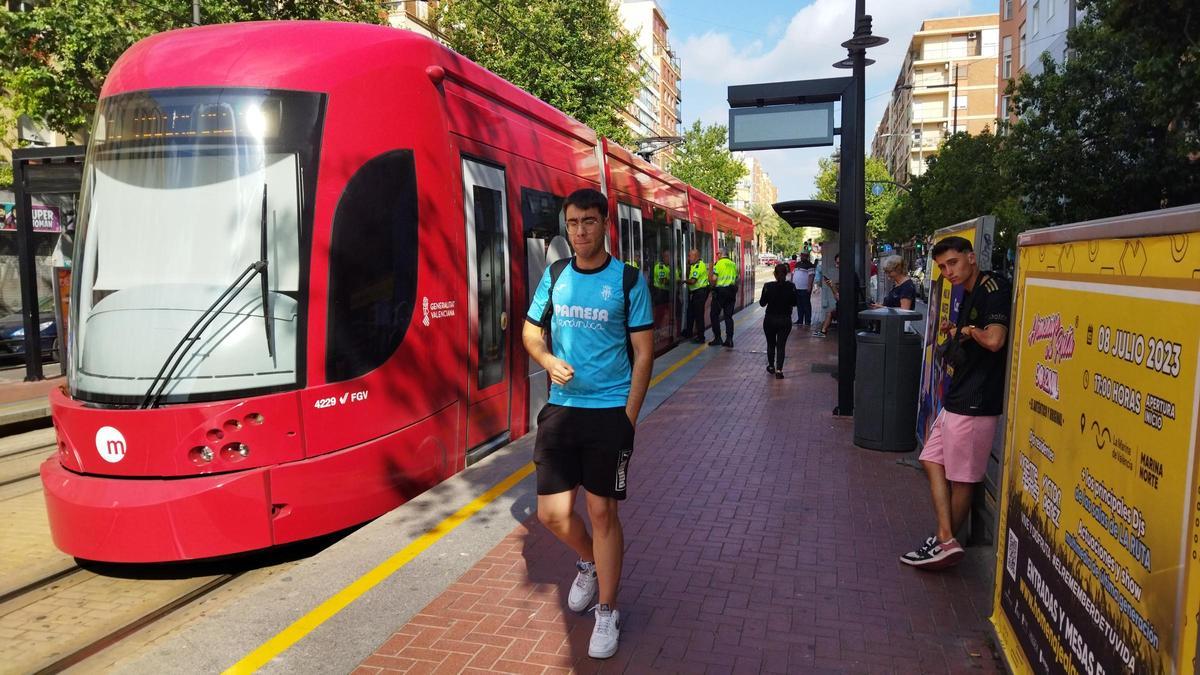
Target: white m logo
(110, 443)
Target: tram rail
(57, 612)
(66, 623)
(23, 464)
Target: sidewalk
(14, 388)
(758, 539)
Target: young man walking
(956, 451)
(585, 433)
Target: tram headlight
(235, 452)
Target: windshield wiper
(193, 334)
(266, 291)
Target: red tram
(300, 274)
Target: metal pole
(850, 222)
(28, 273)
(955, 103)
(195, 12)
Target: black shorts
(583, 446)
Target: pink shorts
(960, 443)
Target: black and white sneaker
(934, 554)
(583, 589)
(606, 634)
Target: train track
(23, 454)
(55, 613)
(100, 611)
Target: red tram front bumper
(123, 519)
(151, 520)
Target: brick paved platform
(758, 537)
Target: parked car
(12, 335)
(768, 259)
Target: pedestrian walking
(698, 288)
(601, 326)
(956, 451)
(724, 280)
(802, 279)
(779, 297)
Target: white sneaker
(606, 633)
(584, 588)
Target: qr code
(1010, 559)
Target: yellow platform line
(339, 601)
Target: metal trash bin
(887, 382)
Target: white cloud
(807, 47)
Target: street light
(649, 145)
(852, 225)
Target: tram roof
(309, 56)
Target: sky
(724, 42)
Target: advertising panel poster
(1100, 519)
(45, 218)
(943, 305)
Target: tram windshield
(172, 212)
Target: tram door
(683, 237)
(488, 395)
(629, 226)
(545, 244)
(738, 256)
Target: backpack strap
(556, 270)
(629, 281)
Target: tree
(964, 180)
(1116, 129)
(573, 54)
(53, 59)
(880, 189)
(703, 161)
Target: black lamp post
(852, 224)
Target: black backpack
(629, 279)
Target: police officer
(724, 277)
(660, 290)
(697, 284)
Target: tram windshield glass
(184, 191)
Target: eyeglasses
(588, 223)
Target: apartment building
(414, 15)
(755, 187)
(947, 83)
(1012, 52)
(655, 111)
(1029, 29)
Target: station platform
(14, 388)
(758, 539)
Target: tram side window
(704, 242)
(658, 258)
(623, 251)
(541, 214)
(372, 266)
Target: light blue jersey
(588, 331)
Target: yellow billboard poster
(1097, 548)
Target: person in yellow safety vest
(660, 282)
(697, 285)
(724, 276)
